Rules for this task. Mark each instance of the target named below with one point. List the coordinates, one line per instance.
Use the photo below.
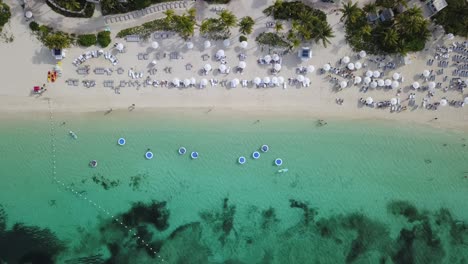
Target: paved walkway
(46, 16)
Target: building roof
(387, 14)
(372, 17)
(305, 53)
(436, 5)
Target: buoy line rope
(83, 197)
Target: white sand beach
(25, 63)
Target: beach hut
(326, 67)
(388, 82)
(155, 45)
(274, 80)
(189, 45)
(396, 76)
(415, 85)
(300, 78)
(373, 84)
(376, 74)
(369, 74)
(226, 43)
(431, 85)
(362, 54)
(351, 66)
(357, 80)
(426, 73)
(367, 80)
(393, 101)
(369, 100)
(345, 59)
(222, 68)
(357, 65)
(310, 68)
(203, 83)
(343, 84)
(244, 44)
(277, 67)
(281, 80)
(242, 64)
(395, 84)
(207, 67)
(257, 80)
(443, 102)
(267, 58)
(234, 83)
(176, 82)
(266, 79)
(207, 44)
(380, 82)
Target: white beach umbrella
(267, 58)
(373, 84)
(351, 66)
(345, 59)
(357, 65)
(244, 44)
(369, 74)
(465, 101)
(388, 82)
(396, 76)
(119, 46)
(376, 74)
(277, 67)
(193, 81)
(443, 102)
(393, 101)
(207, 67)
(189, 45)
(362, 54)
(28, 14)
(226, 43)
(310, 68)
(186, 82)
(204, 82)
(450, 36)
(257, 80)
(415, 85)
(395, 84)
(357, 80)
(300, 78)
(306, 81)
(274, 80)
(176, 81)
(343, 84)
(222, 68)
(426, 73)
(220, 53)
(154, 62)
(369, 100)
(380, 83)
(281, 80)
(431, 85)
(326, 67)
(155, 45)
(234, 82)
(367, 80)
(207, 44)
(266, 79)
(275, 57)
(242, 64)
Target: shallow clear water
(342, 179)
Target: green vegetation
(307, 23)
(5, 14)
(242, 38)
(246, 25)
(115, 7)
(87, 40)
(219, 28)
(217, 1)
(103, 38)
(57, 40)
(272, 39)
(73, 6)
(184, 25)
(403, 33)
(454, 18)
(34, 26)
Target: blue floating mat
(265, 148)
(242, 160)
(149, 155)
(121, 141)
(194, 155)
(256, 155)
(278, 162)
(182, 150)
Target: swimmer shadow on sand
(423, 237)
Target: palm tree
(390, 38)
(169, 16)
(192, 12)
(206, 26)
(246, 25)
(278, 26)
(350, 12)
(71, 5)
(228, 19)
(370, 8)
(366, 30)
(185, 25)
(323, 32)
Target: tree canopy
(5, 14)
(454, 18)
(57, 41)
(219, 28)
(246, 25)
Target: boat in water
(73, 135)
(93, 163)
(283, 170)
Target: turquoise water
(355, 192)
